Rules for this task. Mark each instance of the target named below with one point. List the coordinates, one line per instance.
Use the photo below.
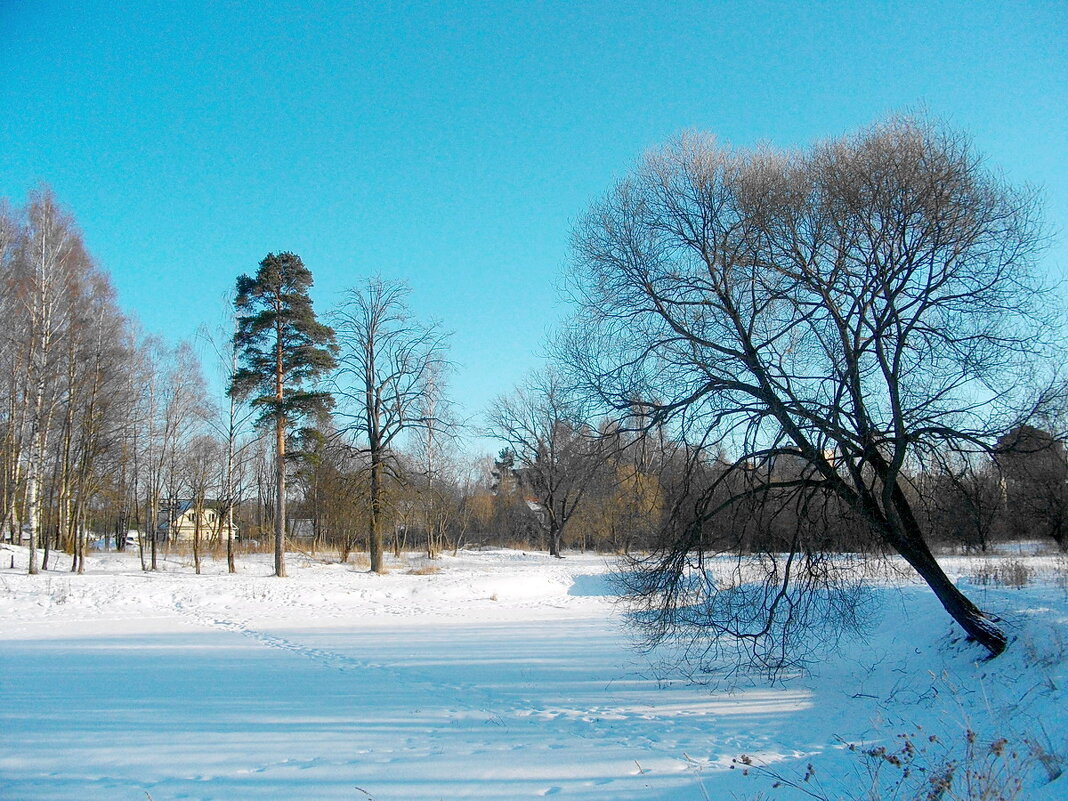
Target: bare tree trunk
(78, 539)
(32, 513)
(977, 625)
(554, 538)
(140, 534)
(12, 475)
(231, 565)
(12, 466)
(198, 512)
(913, 548)
(153, 522)
(63, 465)
(374, 531)
(33, 473)
(57, 526)
(83, 540)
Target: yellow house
(178, 521)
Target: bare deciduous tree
(176, 404)
(388, 365)
(852, 308)
(96, 404)
(202, 462)
(557, 451)
(1035, 477)
(51, 261)
(233, 424)
(10, 348)
(80, 400)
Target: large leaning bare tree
(845, 310)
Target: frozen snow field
(504, 675)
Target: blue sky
(453, 144)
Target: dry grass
(424, 570)
(502, 544)
(1060, 570)
(360, 560)
(1003, 573)
(922, 767)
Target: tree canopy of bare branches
(848, 308)
(1034, 472)
(555, 447)
(387, 383)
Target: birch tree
(232, 425)
(51, 260)
(12, 355)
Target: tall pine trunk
(280, 494)
(280, 456)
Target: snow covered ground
(504, 675)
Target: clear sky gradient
(453, 144)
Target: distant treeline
(106, 431)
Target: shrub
(1004, 573)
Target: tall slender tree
(389, 363)
(52, 263)
(10, 356)
(283, 348)
(232, 424)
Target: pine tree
(282, 348)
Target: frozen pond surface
(504, 676)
